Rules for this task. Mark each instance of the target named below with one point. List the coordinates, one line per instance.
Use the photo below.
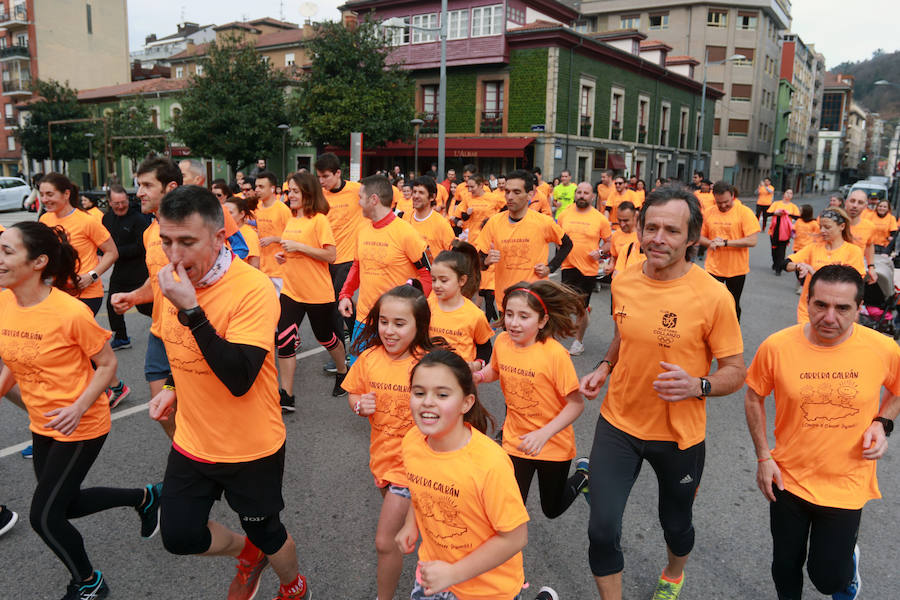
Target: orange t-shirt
(487, 278)
(386, 259)
(540, 202)
(707, 200)
(825, 399)
(96, 213)
(375, 371)
(535, 381)
(883, 227)
(85, 235)
(403, 205)
(522, 245)
(764, 195)
(603, 192)
(639, 195)
(738, 222)
(863, 233)
(614, 199)
(686, 321)
(156, 259)
(868, 213)
(211, 423)
(788, 207)
(270, 221)
(463, 328)
(461, 499)
(346, 218)
(440, 200)
(48, 348)
(483, 207)
(397, 198)
(305, 278)
(626, 249)
(434, 229)
(817, 256)
(587, 229)
(804, 233)
(252, 240)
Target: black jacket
(128, 234)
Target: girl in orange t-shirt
(308, 247)
(455, 278)
(487, 520)
(395, 337)
(541, 390)
(241, 210)
(48, 342)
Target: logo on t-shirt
(444, 513)
(830, 400)
(669, 320)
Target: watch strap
(886, 423)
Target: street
(332, 504)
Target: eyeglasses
(620, 183)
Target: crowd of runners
(422, 291)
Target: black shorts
(580, 282)
(251, 488)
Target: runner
(781, 230)
(829, 433)
(564, 193)
(885, 225)
(589, 230)
(541, 390)
(672, 314)
(516, 240)
(308, 248)
(604, 189)
(806, 231)
(835, 248)
(217, 321)
(449, 445)
(619, 195)
(624, 246)
(862, 230)
(89, 205)
(434, 229)
(729, 231)
(477, 206)
(68, 411)
(454, 317)
(394, 339)
(764, 194)
(705, 195)
(404, 204)
(271, 217)
(241, 210)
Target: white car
(13, 193)
(872, 190)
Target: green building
(783, 171)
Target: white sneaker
(576, 349)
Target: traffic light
(864, 158)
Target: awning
(616, 161)
(493, 147)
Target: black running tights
(557, 489)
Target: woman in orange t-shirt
(48, 342)
(308, 247)
(241, 210)
(395, 337)
(541, 390)
(89, 205)
(885, 226)
(806, 231)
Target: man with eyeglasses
(620, 194)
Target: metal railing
(17, 85)
(14, 52)
(615, 132)
(491, 121)
(586, 126)
(17, 13)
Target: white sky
(837, 30)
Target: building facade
(831, 163)
(157, 51)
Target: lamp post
(416, 123)
(700, 137)
(90, 137)
(284, 127)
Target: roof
(274, 23)
(539, 24)
(266, 40)
(190, 51)
(236, 25)
(654, 45)
(618, 34)
(681, 60)
(133, 88)
(182, 34)
(556, 9)
(834, 80)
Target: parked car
(13, 193)
(872, 189)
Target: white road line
(133, 410)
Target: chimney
(350, 19)
(150, 38)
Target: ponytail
(463, 259)
(62, 259)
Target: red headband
(526, 290)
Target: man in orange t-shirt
(217, 320)
(729, 231)
(764, 195)
(671, 319)
(604, 189)
(477, 207)
(830, 429)
(433, 228)
(271, 216)
(862, 230)
(624, 247)
(619, 195)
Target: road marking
(133, 410)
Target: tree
(133, 119)
(350, 87)
(57, 102)
(233, 109)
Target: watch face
(183, 318)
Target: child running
(455, 276)
(476, 504)
(541, 390)
(241, 210)
(395, 337)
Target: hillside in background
(885, 100)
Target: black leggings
(557, 489)
(832, 534)
(764, 211)
(93, 303)
(735, 285)
(339, 274)
(616, 459)
(60, 468)
(490, 306)
(292, 313)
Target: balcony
(14, 53)
(11, 121)
(492, 121)
(16, 18)
(642, 134)
(664, 137)
(17, 87)
(585, 127)
(615, 132)
(431, 123)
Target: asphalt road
(332, 505)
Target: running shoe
(299, 591)
(7, 519)
(287, 402)
(576, 349)
(120, 343)
(666, 590)
(330, 367)
(28, 452)
(547, 593)
(94, 590)
(852, 590)
(582, 466)
(149, 512)
(337, 391)
(117, 393)
(246, 581)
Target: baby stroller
(880, 301)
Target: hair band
(833, 215)
(544, 306)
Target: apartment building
(83, 43)
(837, 96)
(157, 51)
(744, 121)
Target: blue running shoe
(120, 343)
(852, 590)
(93, 590)
(582, 466)
(28, 452)
(149, 512)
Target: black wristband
(607, 361)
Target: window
(516, 15)
(741, 92)
(643, 119)
(90, 25)
(429, 102)
(397, 36)
(492, 116)
(748, 57)
(716, 84)
(717, 124)
(659, 21)
(176, 112)
(832, 106)
(22, 39)
(458, 24)
(154, 116)
(487, 20)
(179, 72)
(586, 110)
(683, 129)
(738, 127)
(11, 143)
(4, 42)
(747, 21)
(717, 18)
(664, 124)
(199, 69)
(698, 139)
(715, 53)
(616, 106)
(630, 22)
(586, 25)
(289, 59)
(429, 21)
(265, 58)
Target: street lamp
(442, 83)
(416, 123)
(90, 137)
(284, 127)
(706, 63)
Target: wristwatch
(191, 317)
(94, 276)
(887, 424)
(705, 387)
